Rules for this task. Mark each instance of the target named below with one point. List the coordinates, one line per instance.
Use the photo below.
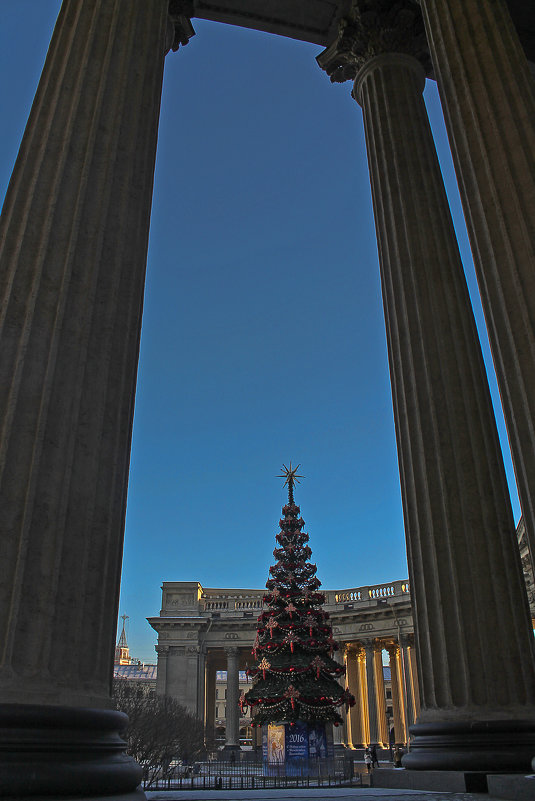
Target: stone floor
(316, 794)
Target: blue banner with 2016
(296, 747)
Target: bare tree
(159, 729)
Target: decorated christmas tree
(295, 676)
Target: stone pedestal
(466, 582)
(56, 751)
(74, 231)
(488, 97)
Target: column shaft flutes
(466, 579)
(488, 97)
(74, 232)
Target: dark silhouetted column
(488, 97)
(74, 231)
(474, 641)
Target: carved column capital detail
(180, 13)
(373, 28)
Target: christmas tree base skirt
(298, 749)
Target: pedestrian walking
(373, 754)
(368, 759)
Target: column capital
(180, 12)
(232, 650)
(368, 31)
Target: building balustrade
(177, 599)
(397, 588)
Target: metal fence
(253, 775)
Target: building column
(397, 695)
(195, 679)
(408, 694)
(232, 732)
(355, 728)
(338, 731)
(381, 700)
(470, 606)
(369, 648)
(161, 669)
(488, 97)
(74, 232)
(414, 678)
(209, 704)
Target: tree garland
(295, 677)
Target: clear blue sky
(263, 335)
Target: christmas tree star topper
(291, 476)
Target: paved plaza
(318, 794)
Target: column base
(496, 746)
(50, 751)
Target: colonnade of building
(204, 631)
(74, 232)
(367, 722)
(383, 711)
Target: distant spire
(122, 639)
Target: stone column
(209, 706)
(74, 232)
(369, 648)
(232, 739)
(195, 679)
(414, 678)
(397, 695)
(381, 701)
(161, 673)
(488, 97)
(470, 608)
(356, 734)
(338, 731)
(406, 675)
